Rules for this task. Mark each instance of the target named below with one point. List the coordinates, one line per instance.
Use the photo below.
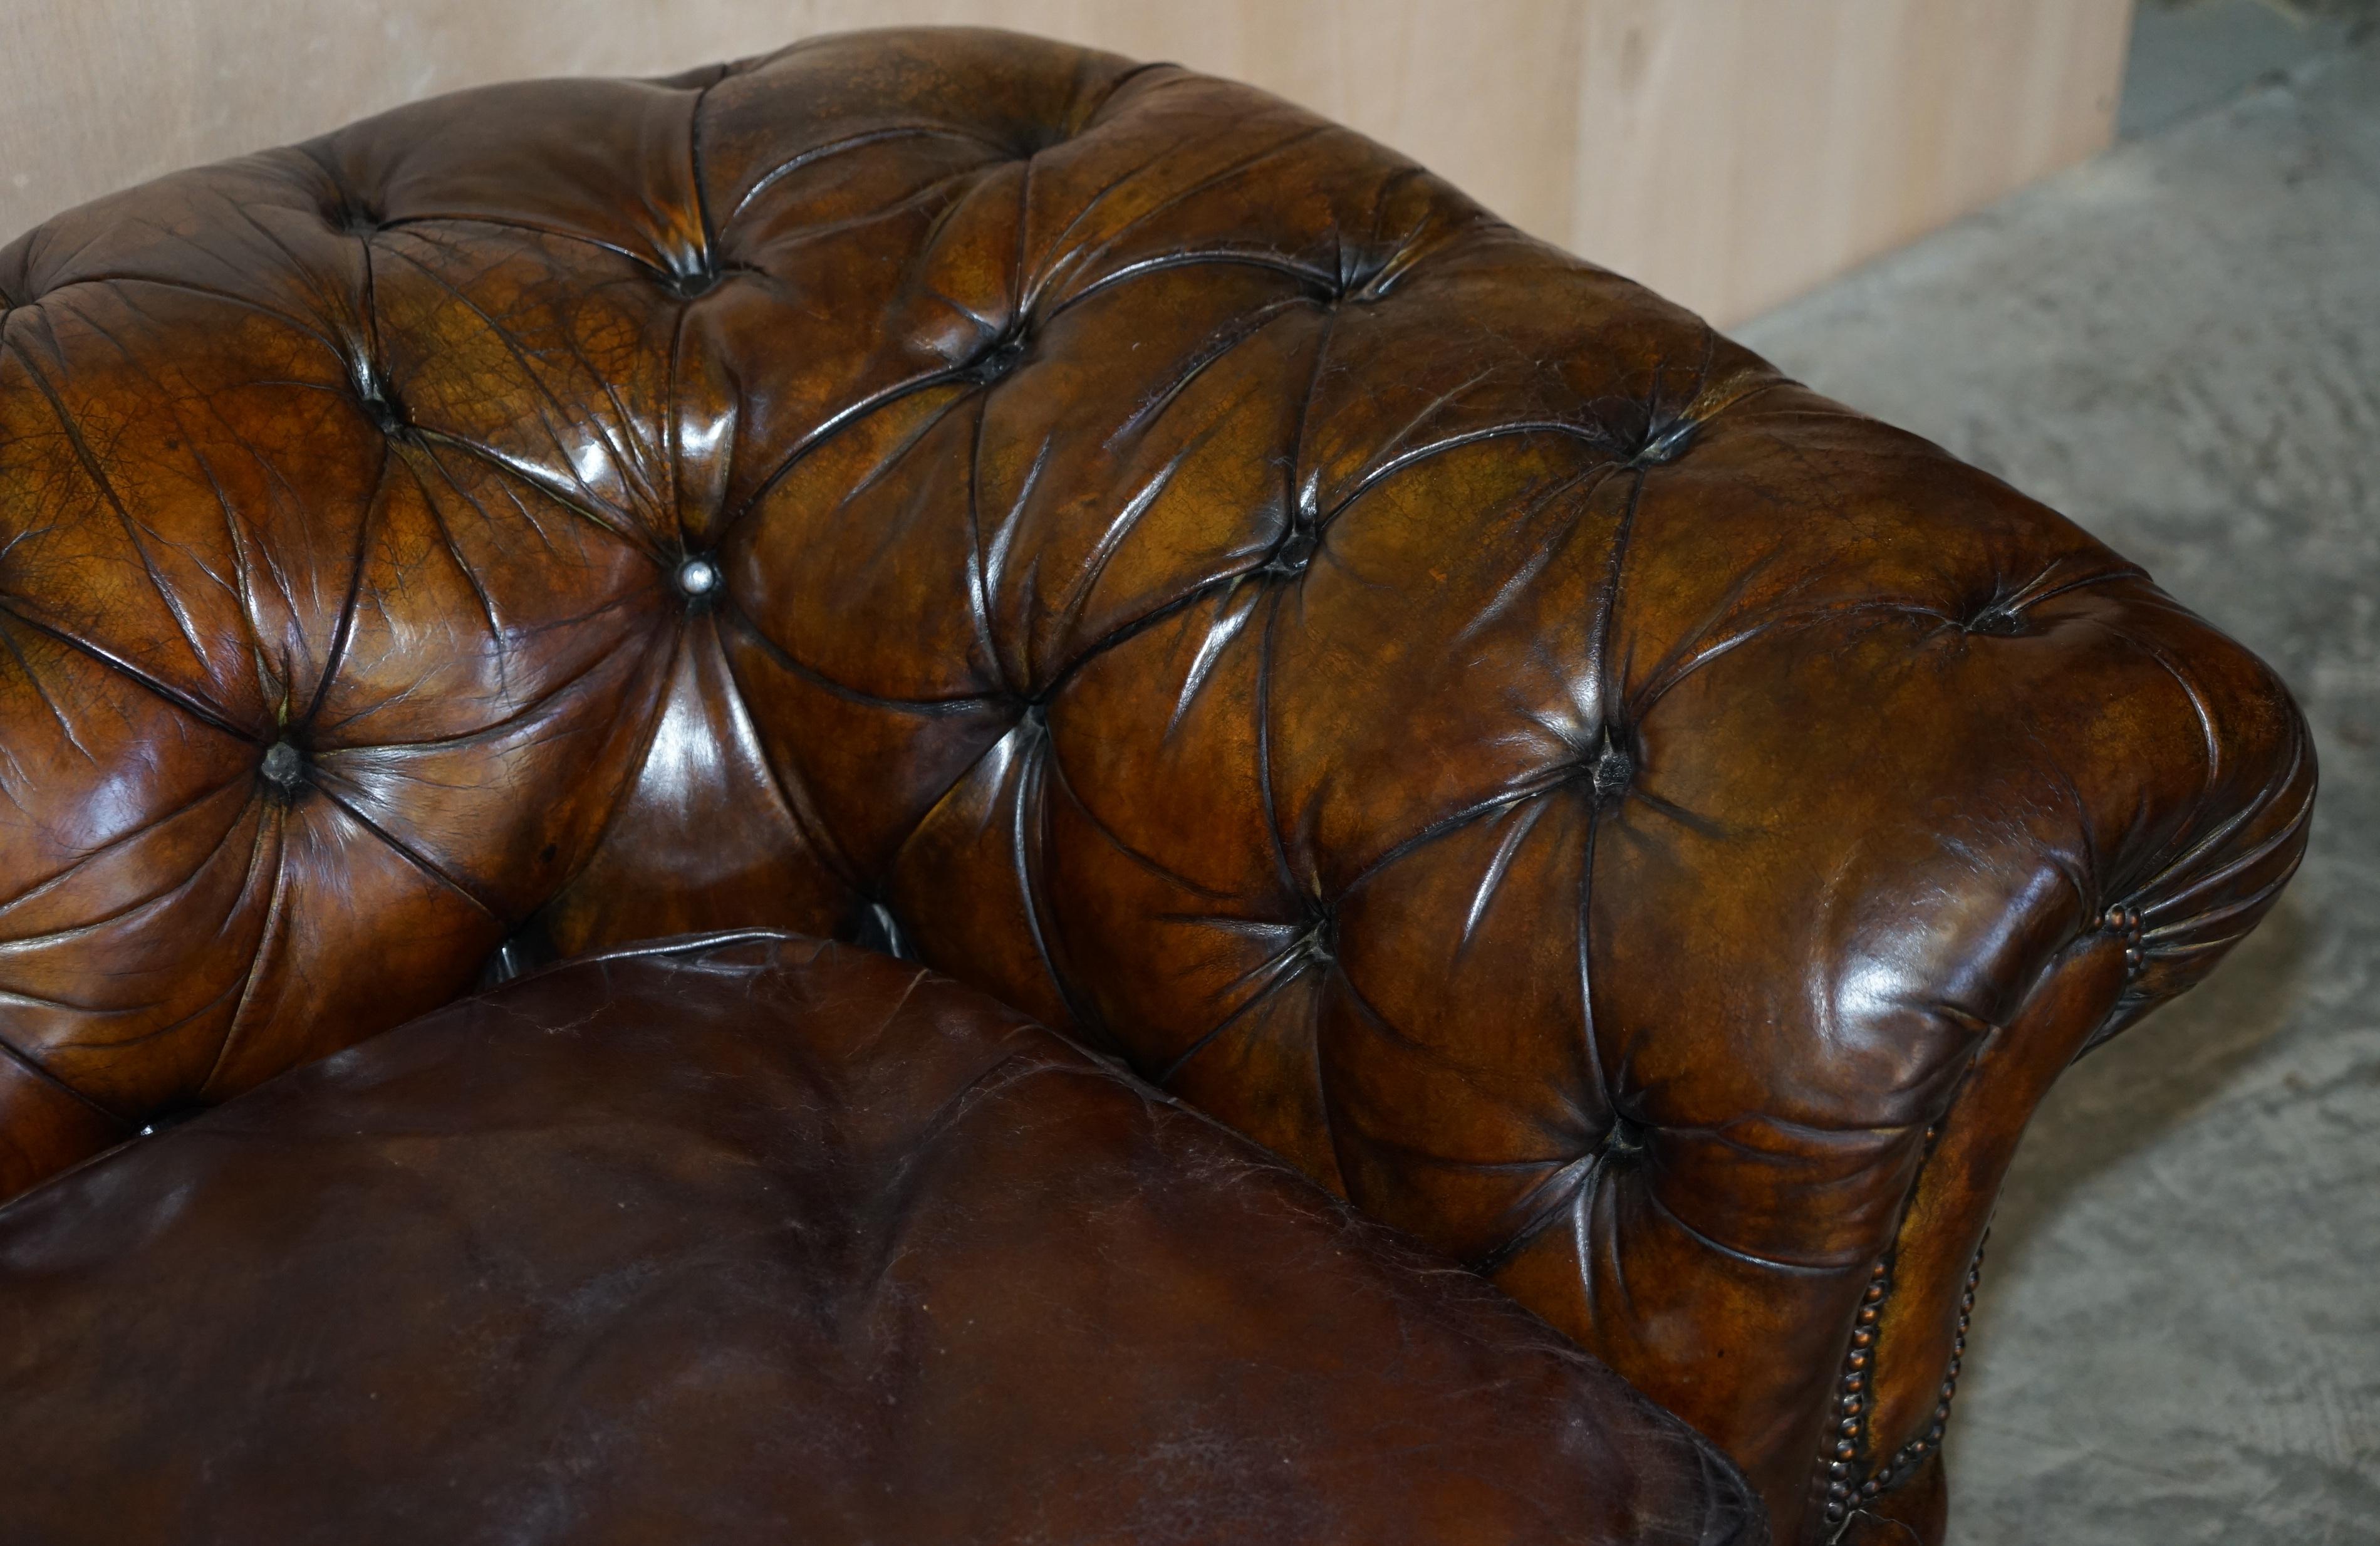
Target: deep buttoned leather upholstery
(1640, 827)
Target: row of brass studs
(2125, 923)
(1853, 1407)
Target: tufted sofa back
(1158, 557)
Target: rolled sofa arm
(1646, 830)
(1922, 873)
(1706, 1020)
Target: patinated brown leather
(776, 1241)
(1636, 824)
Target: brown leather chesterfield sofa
(1646, 832)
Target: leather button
(1665, 444)
(1005, 354)
(381, 408)
(284, 766)
(1612, 771)
(1294, 553)
(691, 282)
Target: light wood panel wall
(1730, 152)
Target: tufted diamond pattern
(1645, 829)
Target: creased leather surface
(1186, 571)
(776, 1240)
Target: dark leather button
(1664, 444)
(381, 408)
(1318, 943)
(1005, 354)
(1610, 774)
(1295, 553)
(284, 766)
(873, 926)
(690, 283)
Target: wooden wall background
(1730, 152)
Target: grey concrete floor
(2187, 55)
(2179, 345)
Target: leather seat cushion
(757, 1237)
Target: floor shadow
(2130, 1093)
